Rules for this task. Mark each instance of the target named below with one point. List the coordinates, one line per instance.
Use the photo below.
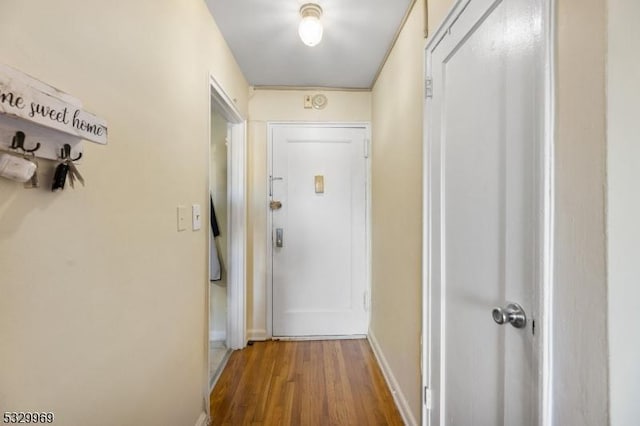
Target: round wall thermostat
(319, 101)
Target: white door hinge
(365, 301)
(427, 398)
(428, 88)
(366, 148)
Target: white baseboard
(216, 336)
(257, 335)
(328, 337)
(203, 420)
(398, 396)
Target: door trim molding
(268, 240)
(236, 286)
(547, 131)
(546, 290)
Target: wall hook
(65, 153)
(18, 143)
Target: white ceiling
(263, 36)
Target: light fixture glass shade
(310, 29)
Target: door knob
(513, 314)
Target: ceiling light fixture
(310, 28)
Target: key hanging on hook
(66, 167)
(60, 177)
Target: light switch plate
(182, 218)
(196, 219)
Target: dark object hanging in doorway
(214, 221)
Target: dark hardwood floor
(334, 382)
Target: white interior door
(318, 174)
(483, 154)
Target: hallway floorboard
(336, 382)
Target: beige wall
(280, 105)
(623, 169)
(103, 311)
(438, 10)
(397, 210)
(579, 306)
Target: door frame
(269, 243)
(237, 220)
(543, 299)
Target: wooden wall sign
(26, 99)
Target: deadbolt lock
(275, 205)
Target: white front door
(483, 213)
(319, 234)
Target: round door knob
(513, 314)
(499, 315)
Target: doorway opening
(226, 285)
(218, 242)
